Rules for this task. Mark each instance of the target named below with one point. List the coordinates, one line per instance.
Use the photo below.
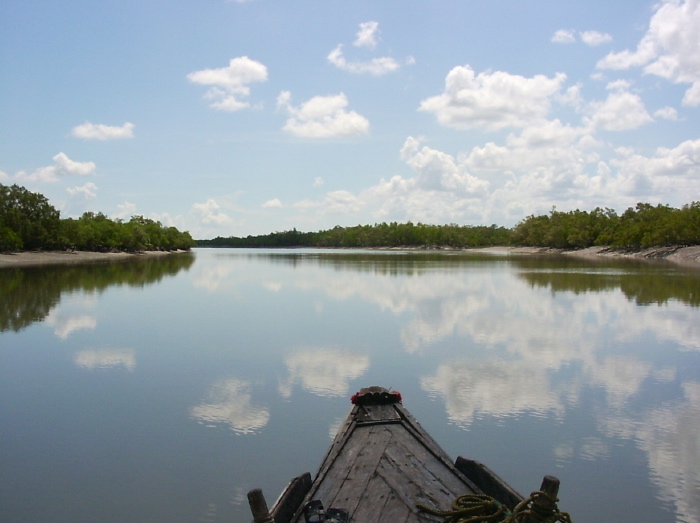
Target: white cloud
(442, 191)
(318, 182)
(667, 113)
(91, 131)
(322, 116)
(231, 83)
(66, 166)
(336, 202)
(438, 171)
(595, 38)
(668, 171)
(670, 48)
(273, 204)
(591, 38)
(564, 36)
(492, 101)
(375, 66)
(177, 221)
(622, 110)
(126, 211)
(367, 35)
(548, 163)
(209, 213)
(63, 166)
(87, 191)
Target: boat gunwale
(360, 416)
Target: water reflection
(324, 372)
(66, 325)
(105, 358)
(30, 293)
(230, 403)
(670, 435)
(645, 284)
(536, 341)
(495, 389)
(579, 359)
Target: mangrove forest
(642, 226)
(29, 222)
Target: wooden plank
(382, 463)
(291, 498)
(413, 483)
(373, 500)
(433, 448)
(432, 468)
(407, 492)
(396, 510)
(354, 484)
(489, 482)
(387, 508)
(378, 413)
(345, 478)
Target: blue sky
(234, 118)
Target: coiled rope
(540, 507)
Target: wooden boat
(383, 466)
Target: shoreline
(687, 256)
(40, 258)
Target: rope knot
(540, 507)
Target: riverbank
(38, 258)
(688, 256)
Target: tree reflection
(645, 282)
(641, 287)
(30, 293)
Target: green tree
(29, 218)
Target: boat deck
(380, 465)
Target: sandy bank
(26, 259)
(689, 256)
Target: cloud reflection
(495, 388)
(324, 372)
(670, 436)
(105, 358)
(65, 326)
(213, 276)
(535, 341)
(230, 404)
(65, 322)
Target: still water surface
(162, 390)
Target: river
(163, 389)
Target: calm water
(163, 390)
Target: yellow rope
(475, 508)
(470, 508)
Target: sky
(236, 118)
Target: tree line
(637, 227)
(29, 222)
(376, 236)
